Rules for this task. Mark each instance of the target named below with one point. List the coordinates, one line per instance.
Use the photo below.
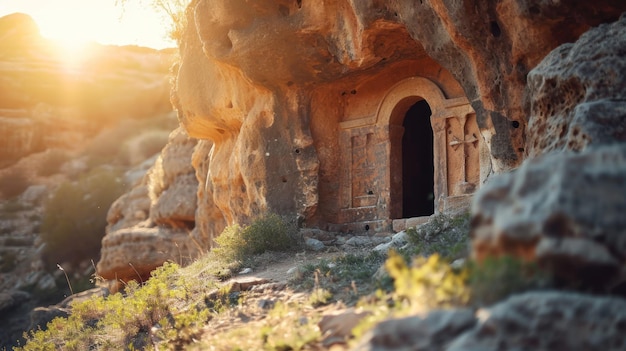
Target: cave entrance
(417, 162)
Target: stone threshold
(404, 223)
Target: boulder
(577, 93)
(563, 210)
(564, 206)
(431, 333)
(129, 209)
(151, 224)
(173, 184)
(132, 253)
(548, 321)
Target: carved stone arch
(404, 94)
(451, 121)
(370, 181)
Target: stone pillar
(394, 173)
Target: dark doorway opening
(417, 162)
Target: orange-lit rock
(152, 223)
(316, 109)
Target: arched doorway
(417, 162)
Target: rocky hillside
(50, 97)
(83, 121)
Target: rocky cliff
(298, 105)
(273, 85)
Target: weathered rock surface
(433, 332)
(151, 223)
(548, 321)
(270, 84)
(564, 210)
(210, 221)
(173, 184)
(530, 321)
(578, 93)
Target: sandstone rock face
(565, 210)
(173, 183)
(577, 93)
(151, 223)
(303, 101)
(209, 219)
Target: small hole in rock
(515, 124)
(369, 192)
(353, 92)
(521, 149)
(367, 227)
(495, 29)
(297, 151)
(284, 180)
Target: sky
(75, 22)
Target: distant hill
(51, 97)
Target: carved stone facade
(409, 147)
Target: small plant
(320, 297)
(428, 283)
(444, 235)
(269, 233)
(125, 321)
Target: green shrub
(444, 235)
(13, 183)
(52, 162)
(268, 233)
(75, 217)
(428, 282)
(123, 321)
